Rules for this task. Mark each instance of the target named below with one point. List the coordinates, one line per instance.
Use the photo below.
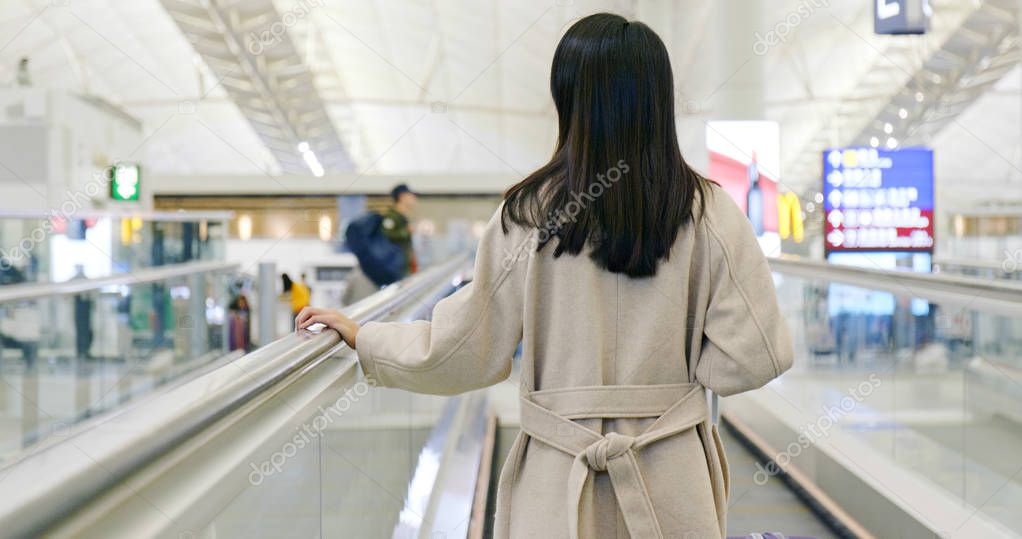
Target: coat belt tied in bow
(613, 452)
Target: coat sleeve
(746, 340)
(472, 334)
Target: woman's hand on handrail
(332, 319)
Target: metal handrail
(95, 456)
(996, 296)
(973, 263)
(29, 291)
(145, 215)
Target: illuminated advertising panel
(878, 200)
(745, 160)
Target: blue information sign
(878, 200)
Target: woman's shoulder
(719, 209)
(725, 225)
(503, 233)
(510, 228)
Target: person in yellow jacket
(298, 293)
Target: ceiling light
(244, 227)
(310, 159)
(326, 228)
(313, 164)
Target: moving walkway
(290, 440)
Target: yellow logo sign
(789, 217)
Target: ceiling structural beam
(905, 60)
(448, 183)
(250, 51)
(342, 100)
(971, 61)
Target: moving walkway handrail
(30, 291)
(180, 215)
(973, 263)
(989, 295)
(55, 479)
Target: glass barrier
(365, 463)
(1009, 268)
(190, 458)
(53, 247)
(347, 471)
(67, 357)
(935, 388)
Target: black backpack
(381, 260)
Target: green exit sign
(125, 181)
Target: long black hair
(617, 180)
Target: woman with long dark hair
(632, 284)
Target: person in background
(296, 293)
(395, 223)
(9, 273)
(305, 281)
(83, 305)
(24, 77)
(240, 335)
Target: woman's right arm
(746, 339)
(472, 334)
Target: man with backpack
(395, 223)
(382, 242)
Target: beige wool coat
(615, 438)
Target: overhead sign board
(878, 200)
(125, 181)
(901, 16)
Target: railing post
(713, 403)
(198, 340)
(267, 302)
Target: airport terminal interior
(180, 178)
